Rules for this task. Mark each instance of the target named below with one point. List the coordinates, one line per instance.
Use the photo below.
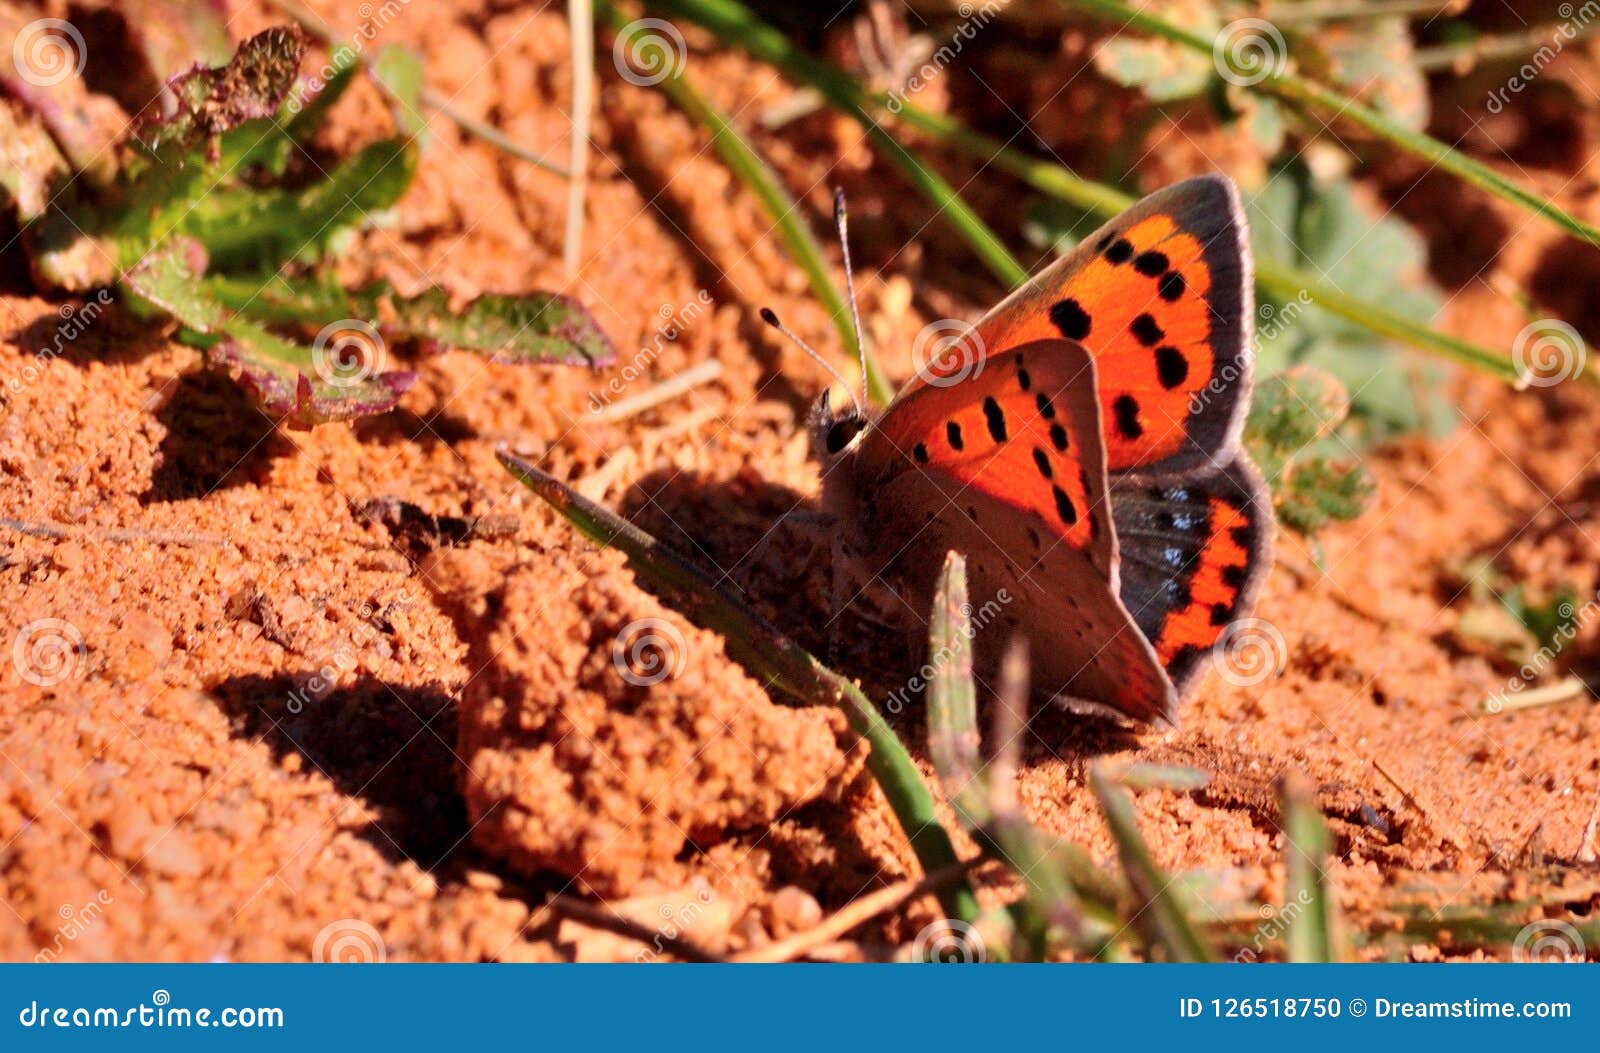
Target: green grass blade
(953, 738)
(1308, 903)
(736, 24)
(778, 660)
(1160, 916)
(1299, 91)
(753, 171)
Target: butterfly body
(1081, 448)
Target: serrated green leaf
(213, 100)
(521, 329)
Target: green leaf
(953, 738)
(1161, 69)
(1321, 228)
(521, 329)
(250, 229)
(1376, 59)
(305, 386)
(1313, 480)
(398, 71)
(1161, 915)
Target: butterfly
(1080, 445)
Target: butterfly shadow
(772, 547)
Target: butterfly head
(834, 431)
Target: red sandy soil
(289, 720)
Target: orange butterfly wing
(1162, 296)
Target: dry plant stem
(858, 912)
(1416, 805)
(1563, 690)
(62, 532)
(603, 917)
(580, 18)
(691, 378)
(1589, 850)
(776, 659)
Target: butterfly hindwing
(1007, 466)
(1162, 296)
(1194, 552)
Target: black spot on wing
(1151, 263)
(1171, 286)
(1126, 411)
(1172, 368)
(1042, 459)
(1064, 506)
(1146, 331)
(952, 433)
(1070, 318)
(995, 417)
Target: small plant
(209, 212)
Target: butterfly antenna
(842, 221)
(771, 318)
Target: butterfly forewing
(1162, 298)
